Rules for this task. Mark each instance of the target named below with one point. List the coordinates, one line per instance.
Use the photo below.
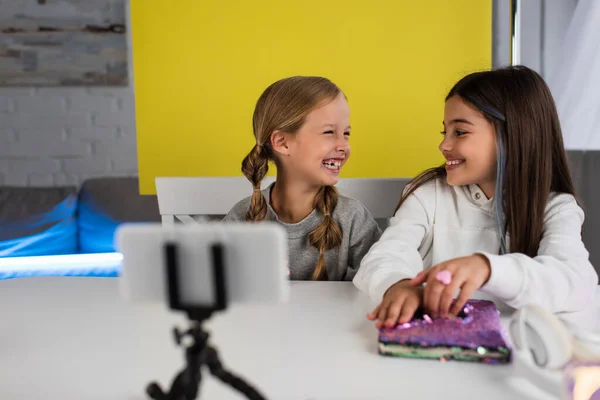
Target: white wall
(543, 25)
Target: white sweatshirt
(439, 222)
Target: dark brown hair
(283, 106)
(531, 154)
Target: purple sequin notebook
(475, 335)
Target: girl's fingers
(447, 296)
(373, 314)
(465, 294)
(420, 278)
(394, 312)
(408, 310)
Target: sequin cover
(477, 328)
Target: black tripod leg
(176, 392)
(193, 374)
(155, 391)
(216, 368)
(186, 383)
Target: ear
(280, 143)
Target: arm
(560, 278)
(396, 255)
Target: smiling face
(317, 152)
(469, 146)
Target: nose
(343, 146)
(446, 145)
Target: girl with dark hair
(500, 216)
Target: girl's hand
(467, 274)
(399, 304)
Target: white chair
(190, 200)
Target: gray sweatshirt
(359, 232)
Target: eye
(443, 133)
(328, 132)
(460, 133)
(346, 133)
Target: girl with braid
(301, 124)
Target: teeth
(454, 162)
(332, 164)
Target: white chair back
(191, 199)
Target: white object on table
(76, 339)
(255, 258)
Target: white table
(76, 339)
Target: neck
(488, 189)
(292, 202)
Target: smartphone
(255, 259)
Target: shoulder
(238, 211)
(356, 220)
(430, 189)
(562, 204)
(350, 208)
(430, 194)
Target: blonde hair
(283, 106)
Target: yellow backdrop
(200, 66)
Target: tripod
(186, 384)
(199, 353)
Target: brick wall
(55, 136)
(63, 135)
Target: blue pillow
(37, 221)
(104, 204)
(96, 227)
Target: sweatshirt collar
(478, 198)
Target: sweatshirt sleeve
(396, 255)
(560, 278)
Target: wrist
(487, 266)
(401, 282)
